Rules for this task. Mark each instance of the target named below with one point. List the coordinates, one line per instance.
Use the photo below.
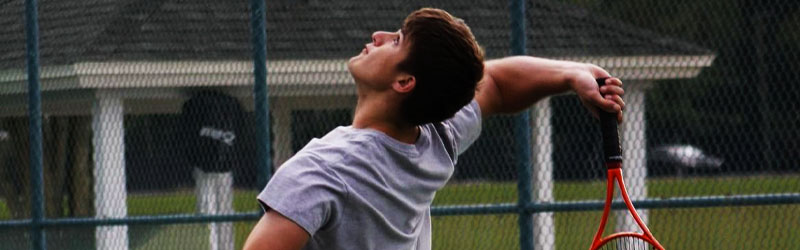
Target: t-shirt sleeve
(305, 192)
(465, 126)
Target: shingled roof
(209, 30)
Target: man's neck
(376, 115)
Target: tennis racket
(613, 160)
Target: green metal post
(523, 133)
(35, 124)
(261, 97)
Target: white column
(634, 145)
(109, 168)
(215, 196)
(543, 224)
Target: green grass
(184, 202)
(488, 192)
(4, 213)
(753, 227)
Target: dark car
(682, 159)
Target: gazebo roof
(209, 30)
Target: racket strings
(627, 243)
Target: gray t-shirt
(361, 189)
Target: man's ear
(404, 84)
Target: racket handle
(608, 126)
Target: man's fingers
(618, 100)
(612, 97)
(607, 98)
(612, 90)
(613, 81)
(605, 104)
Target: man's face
(376, 65)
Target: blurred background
(149, 112)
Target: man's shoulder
(335, 146)
(344, 138)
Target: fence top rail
(469, 209)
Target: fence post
(257, 23)
(523, 134)
(35, 124)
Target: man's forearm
(520, 81)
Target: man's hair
(446, 62)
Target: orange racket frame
(615, 175)
(613, 159)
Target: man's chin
(354, 63)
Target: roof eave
(294, 77)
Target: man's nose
(380, 37)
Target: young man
(422, 93)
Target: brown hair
(446, 62)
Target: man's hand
(607, 98)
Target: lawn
(753, 227)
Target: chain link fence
(151, 127)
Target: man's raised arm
(512, 84)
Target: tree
(67, 167)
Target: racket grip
(608, 127)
